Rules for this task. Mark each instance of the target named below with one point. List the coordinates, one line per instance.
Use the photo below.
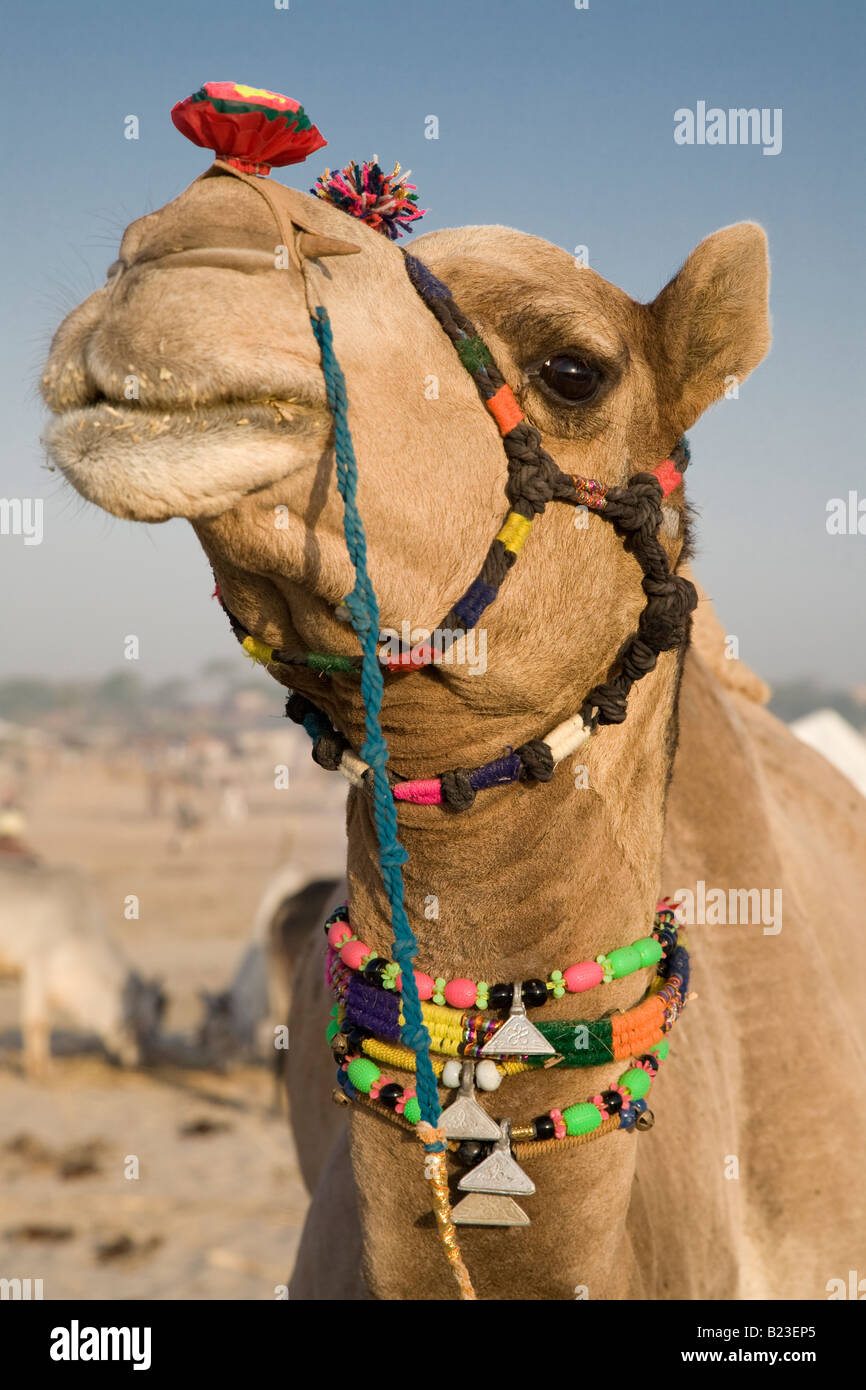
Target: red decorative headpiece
(250, 128)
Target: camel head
(191, 385)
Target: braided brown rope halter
(534, 479)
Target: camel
(191, 385)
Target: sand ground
(218, 1204)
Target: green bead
(636, 1081)
(648, 949)
(582, 1119)
(661, 1049)
(623, 961)
(362, 1073)
(332, 1030)
(412, 1112)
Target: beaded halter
(250, 130)
(533, 480)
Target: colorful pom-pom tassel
(386, 202)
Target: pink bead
(583, 976)
(425, 984)
(338, 932)
(353, 953)
(461, 994)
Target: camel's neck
(532, 879)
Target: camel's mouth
(196, 461)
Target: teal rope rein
(364, 613)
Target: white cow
(54, 938)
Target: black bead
(356, 1038)
(346, 1026)
(470, 1152)
(390, 1094)
(544, 1127)
(533, 993)
(374, 970)
(651, 1061)
(612, 1102)
(341, 915)
(501, 996)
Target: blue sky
(554, 120)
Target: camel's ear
(711, 323)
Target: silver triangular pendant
(517, 1034)
(499, 1172)
(465, 1118)
(488, 1209)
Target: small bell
(517, 1034)
(645, 1120)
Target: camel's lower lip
(194, 461)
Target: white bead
(566, 738)
(353, 768)
(487, 1078)
(451, 1074)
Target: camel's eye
(570, 378)
(114, 269)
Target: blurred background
(155, 778)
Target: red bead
(460, 993)
(583, 976)
(338, 932)
(425, 984)
(353, 953)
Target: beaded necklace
(369, 1011)
(461, 993)
(625, 1100)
